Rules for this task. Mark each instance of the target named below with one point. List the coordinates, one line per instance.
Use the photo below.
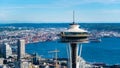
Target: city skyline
(59, 11)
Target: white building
(6, 50)
(23, 64)
(4, 66)
(21, 49)
(1, 61)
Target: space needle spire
(73, 17)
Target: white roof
(75, 28)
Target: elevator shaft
(74, 54)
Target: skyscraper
(21, 49)
(6, 50)
(35, 59)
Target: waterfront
(107, 51)
(41, 38)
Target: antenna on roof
(73, 17)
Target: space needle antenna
(73, 17)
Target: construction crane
(56, 53)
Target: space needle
(74, 36)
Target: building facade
(21, 49)
(6, 50)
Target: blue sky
(59, 10)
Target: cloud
(29, 7)
(101, 1)
(100, 16)
(57, 4)
(61, 10)
(70, 3)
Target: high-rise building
(21, 49)
(35, 59)
(22, 64)
(6, 50)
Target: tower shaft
(74, 54)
